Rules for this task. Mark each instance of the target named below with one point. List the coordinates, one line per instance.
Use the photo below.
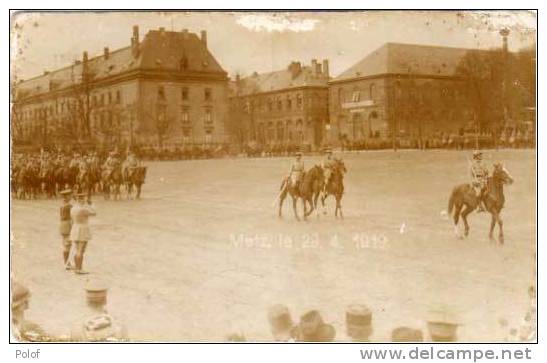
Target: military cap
(96, 292)
(406, 334)
(19, 294)
(476, 154)
(358, 315)
(442, 323)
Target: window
(270, 105)
(185, 117)
(183, 63)
(371, 90)
(118, 97)
(109, 98)
(299, 101)
(102, 100)
(208, 94)
(161, 92)
(208, 116)
(184, 94)
(356, 96)
(279, 105)
(289, 103)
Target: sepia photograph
(355, 176)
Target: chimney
(326, 67)
(318, 69)
(204, 37)
(106, 52)
(162, 29)
(84, 58)
(504, 34)
(295, 68)
(136, 34)
(238, 78)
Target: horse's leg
(465, 213)
(294, 200)
(339, 205)
(457, 212)
(500, 224)
(139, 187)
(312, 208)
(493, 221)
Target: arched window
(371, 91)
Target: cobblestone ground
(203, 253)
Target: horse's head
(501, 175)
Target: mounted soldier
(296, 171)
(111, 163)
(130, 165)
(328, 165)
(479, 176)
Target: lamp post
(504, 34)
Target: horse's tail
(451, 201)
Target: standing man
(66, 225)
(80, 233)
(479, 176)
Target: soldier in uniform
(65, 225)
(80, 233)
(328, 165)
(358, 323)
(296, 171)
(442, 325)
(479, 175)
(23, 329)
(131, 163)
(111, 163)
(281, 324)
(313, 329)
(98, 325)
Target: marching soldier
(296, 171)
(98, 325)
(65, 225)
(23, 329)
(479, 175)
(80, 233)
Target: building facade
(282, 108)
(166, 89)
(403, 93)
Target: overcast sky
(246, 42)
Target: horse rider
(479, 175)
(111, 163)
(130, 164)
(328, 166)
(297, 170)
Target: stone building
(166, 89)
(403, 92)
(286, 107)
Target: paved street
(203, 253)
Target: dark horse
(308, 190)
(463, 201)
(135, 178)
(84, 182)
(335, 186)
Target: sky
(245, 42)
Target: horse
(84, 182)
(335, 187)
(47, 179)
(135, 178)
(307, 189)
(112, 181)
(463, 201)
(65, 176)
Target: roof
(159, 50)
(280, 80)
(399, 58)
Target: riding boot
(65, 256)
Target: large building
(409, 92)
(166, 89)
(286, 107)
